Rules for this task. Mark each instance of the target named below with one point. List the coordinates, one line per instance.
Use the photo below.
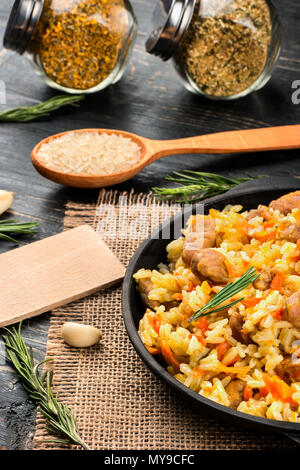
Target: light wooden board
(54, 271)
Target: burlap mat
(117, 402)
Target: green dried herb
(30, 113)
(197, 185)
(233, 288)
(16, 227)
(225, 48)
(59, 418)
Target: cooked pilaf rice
(204, 355)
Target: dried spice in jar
(80, 45)
(225, 49)
(222, 48)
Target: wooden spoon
(252, 140)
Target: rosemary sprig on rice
(226, 293)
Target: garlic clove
(6, 200)
(79, 335)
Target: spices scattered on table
(89, 153)
(226, 46)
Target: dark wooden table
(150, 101)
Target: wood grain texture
(149, 101)
(55, 271)
(243, 141)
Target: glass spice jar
(222, 49)
(74, 45)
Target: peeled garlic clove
(79, 335)
(6, 200)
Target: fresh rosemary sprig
(14, 226)
(30, 113)
(197, 185)
(226, 293)
(59, 418)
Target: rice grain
(89, 153)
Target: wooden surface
(149, 101)
(54, 271)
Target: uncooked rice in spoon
(89, 153)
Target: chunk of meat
(289, 370)
(265, 279)
(236, 324)
(210, 265)
(292, 310)
(235, 392)
(145, 286)
(202, 235)
(291, 284)
(261, 211)
(291, 233)
(287, 203)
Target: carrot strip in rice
(168, 355)
(155, 322)
(279, 389)
(277, 281)
(199, 338)
(153, 351)
(264, 236)
(251, 302)
(278, 314)
(222, 348)
(202, 324)
(248, 393)
(232, 361)
(177, 296)
(197, 373)
(234, 370)
(263, 392)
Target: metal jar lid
(23, 19)
(164, 40)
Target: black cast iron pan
(153, 251)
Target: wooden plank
(52, 272)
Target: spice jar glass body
(229, 48)
(82, 45)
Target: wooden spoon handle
(252, 140)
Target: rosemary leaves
(30, 113)
(13, 226)
(225, 49)
(195, 186)
(216, 304)
(59, 418)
